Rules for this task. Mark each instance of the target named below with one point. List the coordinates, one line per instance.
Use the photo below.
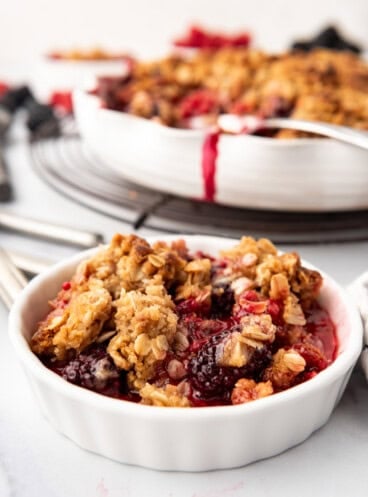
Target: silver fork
(49, 231)
(12, 280)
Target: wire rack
(66, 165)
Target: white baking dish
(294, 175)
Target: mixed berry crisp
(164, 326)
(192, 92)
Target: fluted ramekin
(194, 439)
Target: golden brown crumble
(322, 85)
(168, 396)
(246, 390)
(285, 366)
(77, 326)
(197, 280)
(131, 298)
(276, 275)
(146, 325)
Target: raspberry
(212, 381)
(313, 356)
(92, 369)
(275, 309)
(197, 37)
(192, 306)
(239, 108)
(199, 102)
(3, 88)
(66, 285)
(62, 100)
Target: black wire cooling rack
(69, 167)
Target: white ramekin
(299, 175)
(195, 439)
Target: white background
(31, 27)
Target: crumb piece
(176, 369)
(279, 287)
(167, 396)
(256, 264)
(146, 324)
(247, 390)
(244, 257)
(240, 285)
(180, 342)
(307, 285)
(235, 352)
(258, 329)
(77, 325)
(41, 342)
(285, 265)
(128, 262)
(197, 280)
(239, 347)
(284, 368)
(293, 312)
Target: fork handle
(48, 231)
(12, 281)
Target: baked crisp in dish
(188, 92)
(160, 325)
(95, 54)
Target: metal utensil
(48, 231)
(12, 281)
(5, 185)
(29, 264)
(10, 102)
(250, 124)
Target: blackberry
(91, 369)
(222, 302)
(328, 38)
(212, 381)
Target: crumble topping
(285, 366)
(146, 325)
(179, 91)
(158, 324)
(77, 325)
(247, 390)
(168, 396)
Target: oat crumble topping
(160, 325)
(323, 85)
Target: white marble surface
(35, 461)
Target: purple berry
(212, 381)
(222, 302)
(92, 369)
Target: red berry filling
(198, 103)
(223, 331)
(198, 37)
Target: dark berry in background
(331, 38)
